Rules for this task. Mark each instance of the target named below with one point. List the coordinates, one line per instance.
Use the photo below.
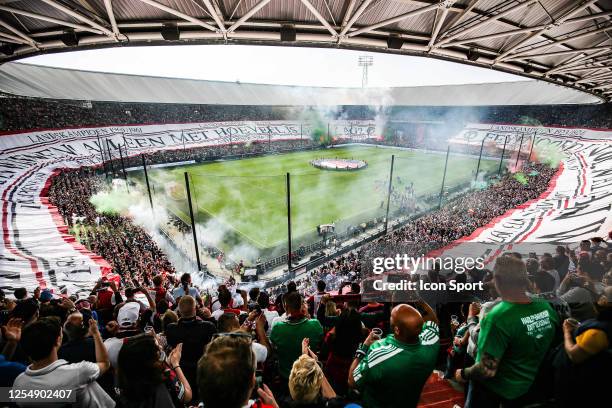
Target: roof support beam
(80, 17)
(491, 36)
(247, 15)
(396, 19)
(355, 16)
(561, 41)
(589, 17)
(556, 53)
(348, 12)
(24, 37)
(49, 19)
(585, 69)
(606, 86)
(484, 22)
(462, 14)
(12, 38)
(319, 17)
(213, 12)
(548, 27)
(573, 61)
(594, 77)
(587, 64)
(111, 16)
(438, 23)
(177, 13)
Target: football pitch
(244, 201)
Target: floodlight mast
(365, 61)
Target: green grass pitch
(248, 196)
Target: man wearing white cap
(127, 319)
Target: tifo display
(339, 164)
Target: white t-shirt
(113, 347)
(261, 352)
(178, 292)
(80, 377)
(270, 316)
(282, 318)
(220, 312)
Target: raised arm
(426, 311)
(101, 353)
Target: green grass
(247, 197)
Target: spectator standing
(547, 265)
(9, 370)
(585, 360)
(226, 375)
(514, 338)
(543, 289)
(308, 386)
(194, 333)
(80, 346)
(561, 261)
(391, 372)
(127, 326)
(287, 336)
(314, 300)
(144, 380)
(185, 288)
(41, 340)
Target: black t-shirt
(79, 350)
(194, 333)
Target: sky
(273, 65)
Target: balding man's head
(406, 323)
(74, 326)
(510, 275)
(187, 306)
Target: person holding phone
(392, 371)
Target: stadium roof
(563, 41)
(60, 83)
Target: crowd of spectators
(51, 114)
(126, 246)
(48, 113)
(517, 342)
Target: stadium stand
(337, 364)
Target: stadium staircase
(439, 393)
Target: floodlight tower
(365, 61)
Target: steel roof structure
(567, 42)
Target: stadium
(183, 242)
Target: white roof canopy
(59, 83)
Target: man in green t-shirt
(287, 336)
(391, 372)
(514, 338)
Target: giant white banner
(577, 204)
(37, 249)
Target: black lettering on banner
(572, 234)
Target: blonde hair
(305, 379)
